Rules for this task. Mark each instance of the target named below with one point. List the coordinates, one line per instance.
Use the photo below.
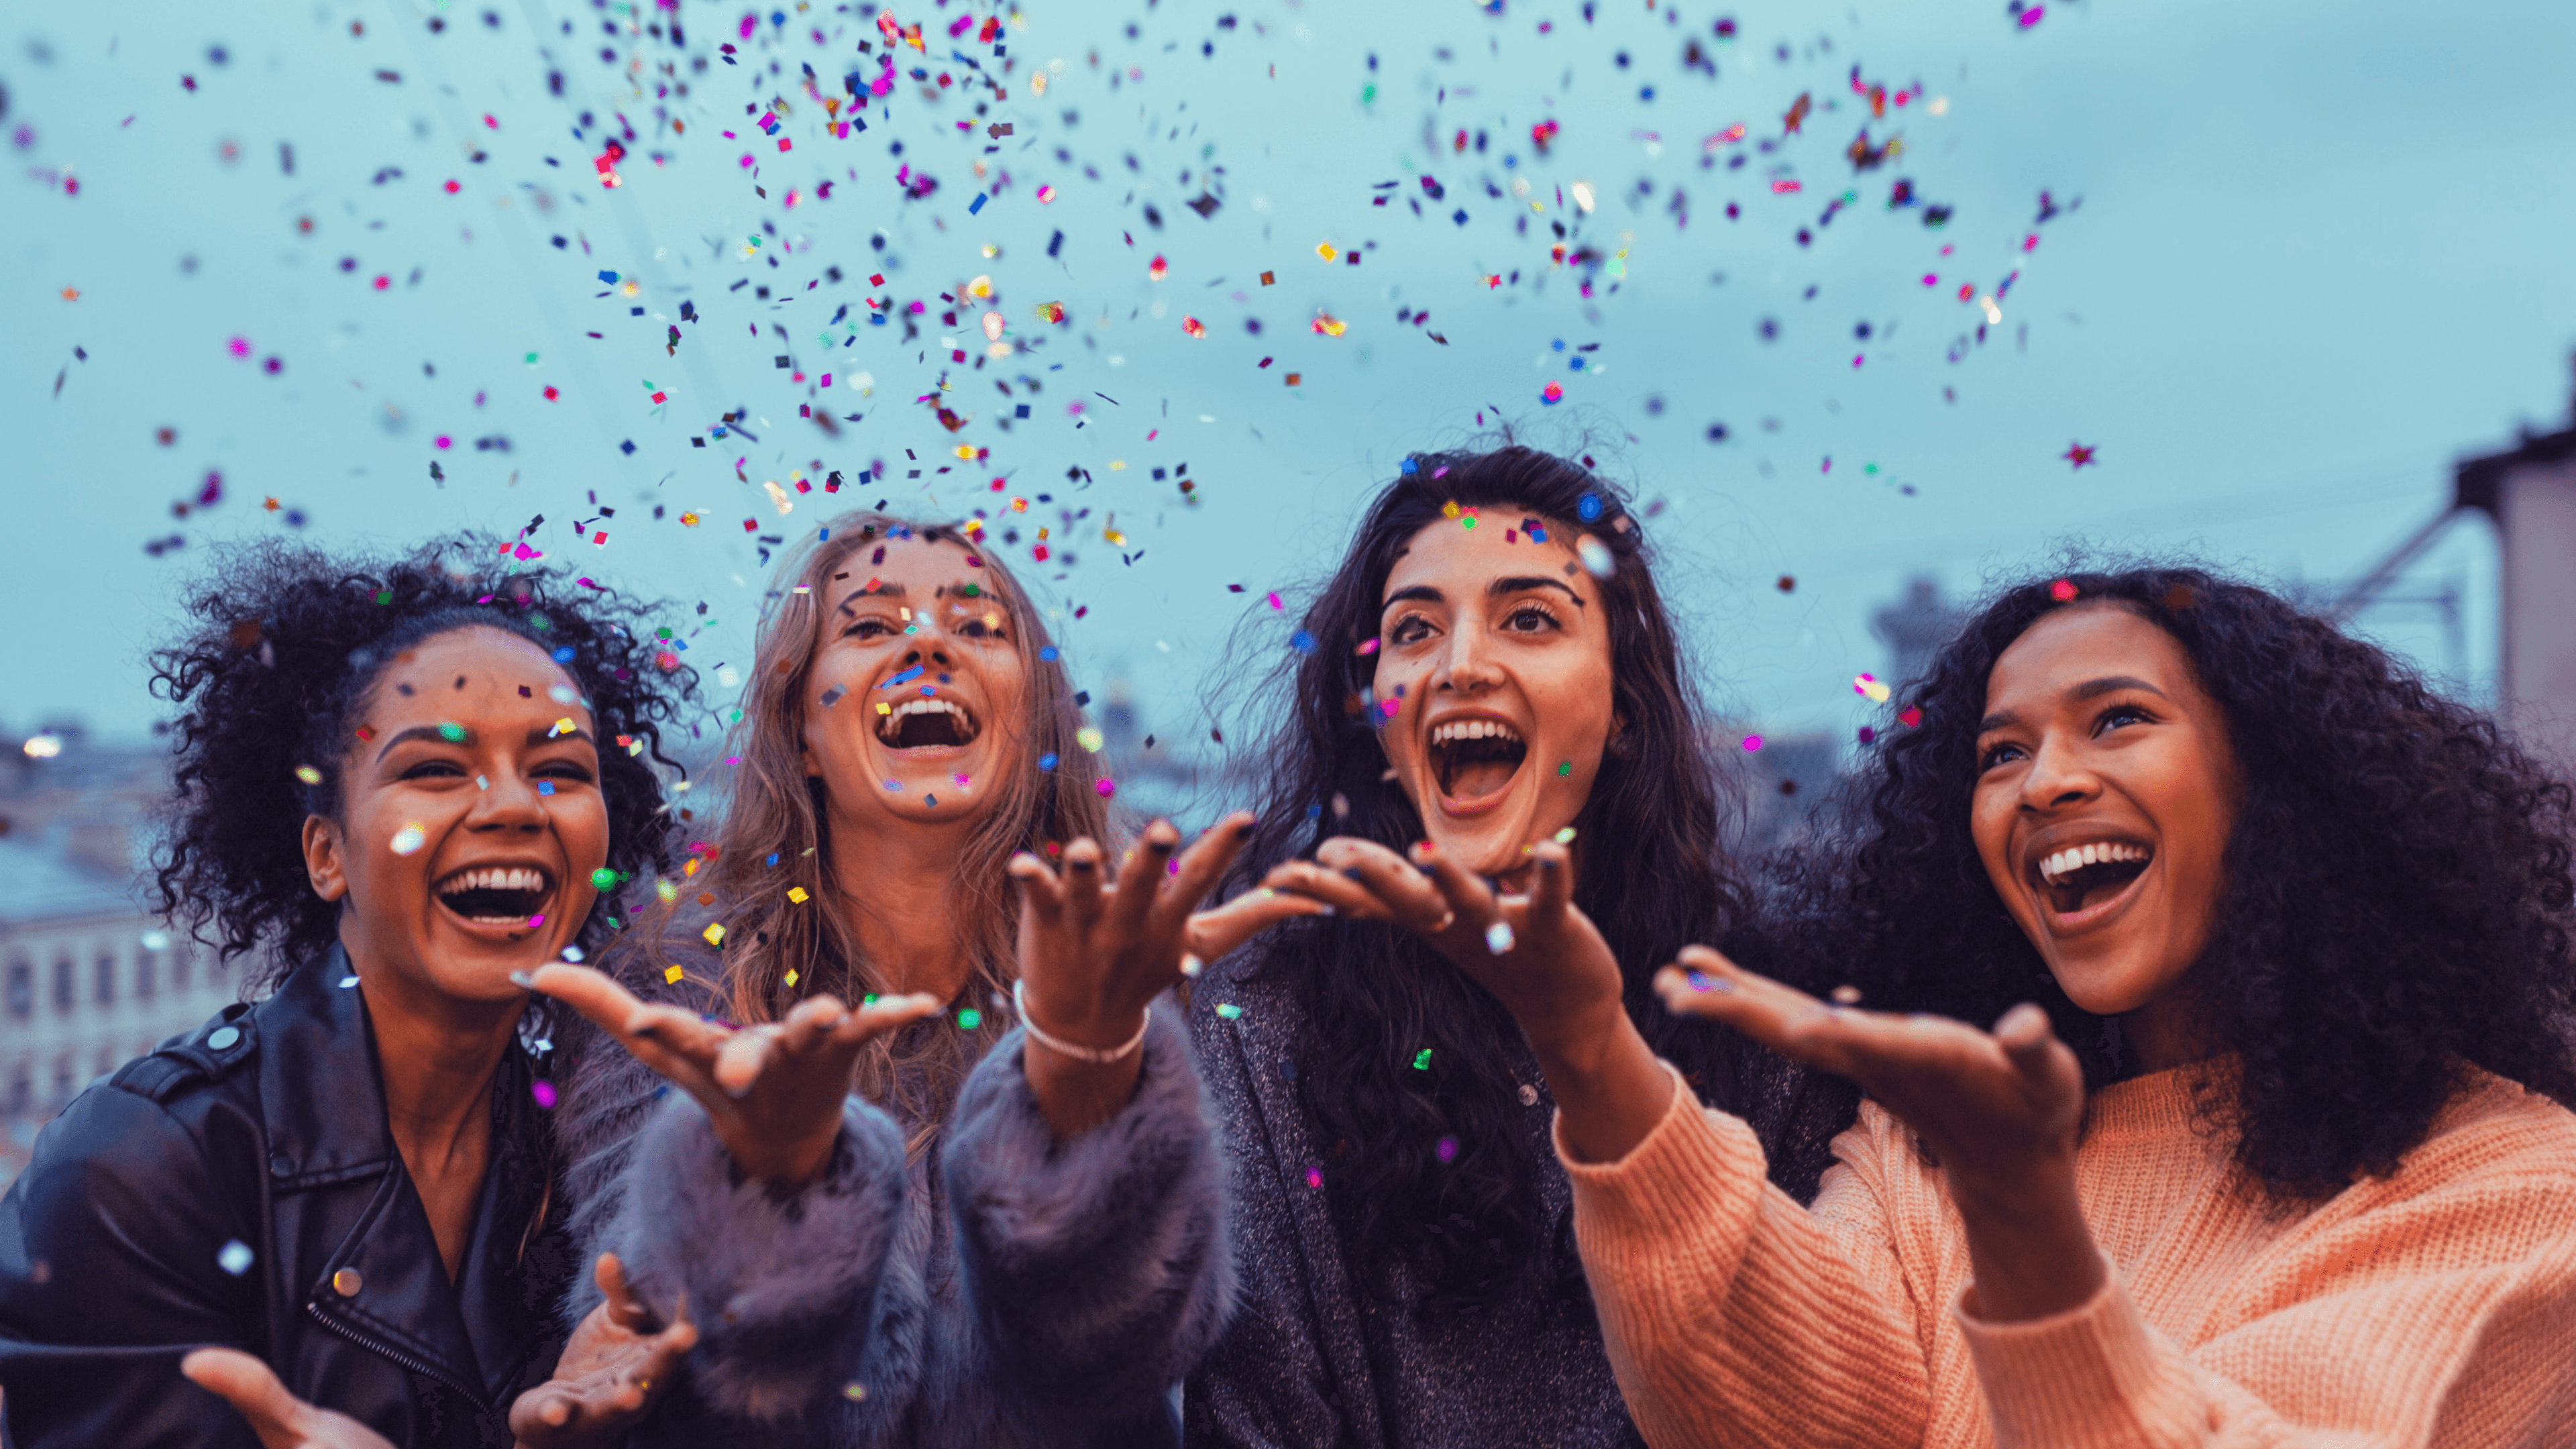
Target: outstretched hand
(1997, 1111)
(612, 1369)
(281, 1420)
(1539, 955)
(1094, 954)
(773, 1092)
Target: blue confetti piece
(1302, 642)
(1590, 508)
(976, 205)
(348, 981)
(1047, 760)
(609, 277)
(563, 655)
(1049, 654)
(906, 677)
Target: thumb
(2026, 1037)
(279, 1418)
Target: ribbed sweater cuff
(1668, 1185)
(2092, 1377)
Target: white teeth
(493, 879)
(1473, 729)
(887, 722)
(2060, 863)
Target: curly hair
(1654, 877)
(2397, 883)
(287, 643)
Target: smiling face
(1497, 650)
(2104, 802)
(470, 820)
(920, 663)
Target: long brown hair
(775, 812)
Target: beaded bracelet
(1093, 1055)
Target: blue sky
(2320, 252)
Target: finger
(1327, 887)
(279, 1418)
(2026, 1036)
(595, 994)
(1461, 893)
(1214, 934)
(744, 1056)
(626, 1307)
(1410, 897)
(1552, 886)
(1202, 866)
(1712, 986)
(1082, 882)
(883, 1015)
(1143, 879)
(1039, 887)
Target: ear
(1621, 745)
(324, 864)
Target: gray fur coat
(1006, 1290)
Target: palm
(772, 1092)
(1987, 1104)
(281, 1420)
(1093, 954)
(610, 1371)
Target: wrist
(1574, 1045)
(1095, 1021)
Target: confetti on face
(1498, 938)
(1596, 556)
(408, 840)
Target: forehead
(919, 567)
(2086, 642)
(1459, 561)
(480, 671)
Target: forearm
(2028, 1244)
(1610, 1090)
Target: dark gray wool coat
(1006, 1290)
(1312, 1357)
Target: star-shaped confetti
(2078, 454)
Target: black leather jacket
(239, 1186)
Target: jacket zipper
(400, 1358)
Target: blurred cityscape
(92, 978)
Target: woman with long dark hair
(910, 1223)
(1492, 670)
(397, 782)
(2261, 1147)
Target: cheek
(1990, 824)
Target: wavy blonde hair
(776, 810)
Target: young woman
(1492, 670)
(1003, 1236)
(2261, 1156)
(392, 791)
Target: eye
(2002, 752)
(2121, 714)
(1411, 629)
(868, 626)
(564, 770)
(1531, 619)
(980, 627)
(432, 769)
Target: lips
(2078, 877)
(1474, 758)
(496, 895)
(927, 723)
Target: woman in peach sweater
(2261, 1156)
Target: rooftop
(41, 881)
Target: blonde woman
(912, 1222)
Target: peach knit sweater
(2436, 1307)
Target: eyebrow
(435, 732)
(885, 590)
(2089, 689)
(1499, 588)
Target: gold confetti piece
(714, 934)
(796, 894)
(672, 974)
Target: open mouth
(2080, 877)
(925, 724)
(1475, 758)
(496, 895)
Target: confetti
(234, 1257)
(408, 840)
(1498, 938)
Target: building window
(106, 1060)
(22, 989)
(62, 1081)
(147, 968)
(63, 988)
(179, 969)
(107, 981)
(21, 1085)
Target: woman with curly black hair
(399, 783)
(2261, 1148)
(1492, 670)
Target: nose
(1467, 662)
(2059, 777)
(509, 803)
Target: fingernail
(1351, 872)
(524, 978)
(1245, 828)
(1702, 981)
(1329, 910)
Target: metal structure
(2529, 491)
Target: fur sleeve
(1097, 1268)
(796, 1298)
